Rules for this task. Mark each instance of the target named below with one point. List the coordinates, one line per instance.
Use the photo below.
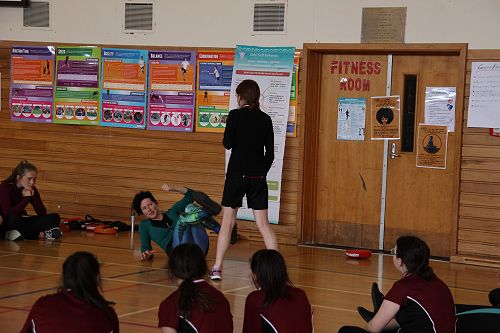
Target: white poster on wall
(351, 119)
(271, 68)
(440, 106)
(484, 99)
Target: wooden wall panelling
(97, 170)
(479, 213)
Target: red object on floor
(102, 229)
(358, 253)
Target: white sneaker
(13, 235)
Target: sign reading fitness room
(123, 88)
(77, 85)
(32, 83)
(171, 90)
(271, 68)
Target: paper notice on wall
(432, 145)
(484, 99)
(351, 119)
(440, 106)
(385, 117)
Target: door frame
(309, 117)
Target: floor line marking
(137, 312)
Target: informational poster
(77, 85)
(351, 119)
(171, 90)
(215, 70)
(432, 145)
(291, 128)
(271, 68)
(440, 106)
(495, 131)
(124, 88)
(385, 117)
(484, 99)
(32, 83)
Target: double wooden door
(348, 193)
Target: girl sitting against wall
(277, 306)
(16, 193)
(78, 307)
(195, 306)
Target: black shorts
(236, 187)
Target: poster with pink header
(171, 90)
(32, 83)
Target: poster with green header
(77, 85)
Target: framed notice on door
(432, 144)
(385, 117)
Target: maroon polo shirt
(291, 315)
(13, 203)
(218, 320)
(426, 305)
(63, 312)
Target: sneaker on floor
(13, 235)
(215, 274)
(53, 233)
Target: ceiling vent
(269, 17)
(138, 17)
(37, 15)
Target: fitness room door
(365, 193)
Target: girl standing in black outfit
(249, 134)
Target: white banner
(271, 68)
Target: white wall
(224, 23)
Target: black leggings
(31, 226)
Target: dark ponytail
(187, 262)
(415, 254)
(82, 277)
(20, 170)
(249, 91)
(271, 275)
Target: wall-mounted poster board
(215, 70)
(77, 85)
(124, 88)
(32, 83)
(171, 90)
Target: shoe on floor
(53, 233)
(377, 297)
(365, 314)
(13, 235)
(215, 274)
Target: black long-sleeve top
(250, 136)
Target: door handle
(393, 151)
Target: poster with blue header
(123, 87)
(272, 69)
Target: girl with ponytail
(195, 306)
(78, 307)
(418, 302)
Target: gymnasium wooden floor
(335, 285)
